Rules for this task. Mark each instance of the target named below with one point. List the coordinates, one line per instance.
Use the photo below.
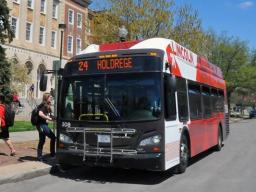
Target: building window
(28, 31)
(14, 26)
(70, 44)
(70, 16)
(42, 7)
(79, 20)
(30, 4)
(53, 40)
(29, 66)
(78, 46)
(41, 35)
(55, 10)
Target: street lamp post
(57, 66)
(62, 27)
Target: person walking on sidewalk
(4, 130)
(43, 129)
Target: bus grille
(94, 148)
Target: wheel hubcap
(184, 153)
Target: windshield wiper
(112, 107)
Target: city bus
(150, 104)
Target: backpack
(9, 116)
(34, 116)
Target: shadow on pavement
(201, 156)
(27, 158)
(4, 154)
(46, 159)
(104, 175)
(112, 175)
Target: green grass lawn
(24, 126)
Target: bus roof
(182, 61)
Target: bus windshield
(112, 97)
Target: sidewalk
(24, 165)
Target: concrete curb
(22, 171)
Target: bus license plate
(103, 138)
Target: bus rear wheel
(219, 144)
(184, 155)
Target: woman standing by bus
(43, 128)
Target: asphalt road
(232, 169)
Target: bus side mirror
(43, 82)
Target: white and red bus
(150, 104)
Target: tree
(19, 76)
(142, 18)
(5, 28)
(253, 58)
(232, 56)
(105, 27)
(5, 34)
(187, 30)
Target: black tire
(219, 144)
(184, 155)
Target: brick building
(37, 35)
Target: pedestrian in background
(52, 92)
(43, 129)
(31, 91)
(16, 99)
(4, 130)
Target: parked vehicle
(252, 113)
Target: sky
(235, 17)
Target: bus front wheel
(184, 155)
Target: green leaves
(5, 34)
(5, 28)
(142, 18)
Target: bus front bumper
(147, 161)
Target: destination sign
(114, 65)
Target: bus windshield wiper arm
(112, 107)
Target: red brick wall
(73, 30)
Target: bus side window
(214, 99)
(195, 103)
(220, 101)
(182, 99)
(206, 101)
(170, 101)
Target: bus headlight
(154, 140)
(65, 139)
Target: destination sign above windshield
(114, 65)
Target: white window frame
(55, 39)
(43, 39)
(81, 24)
(71, 22)
(68, 50)
(44, 11)
(32, 4)
(31, 31)
(56, 9)
(16, 34)
(80, 45)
